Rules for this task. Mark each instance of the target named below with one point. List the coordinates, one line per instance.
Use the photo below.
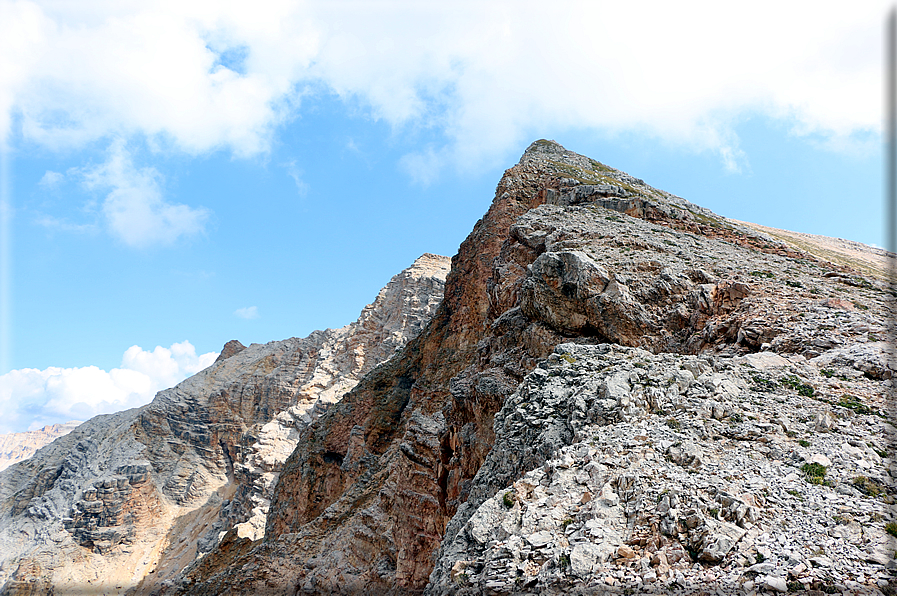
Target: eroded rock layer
(128, 500)
(569, 251)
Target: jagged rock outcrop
(570, 250)
(133, 497)
(16, 447)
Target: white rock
(776, 583)
(818, 458)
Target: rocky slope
(870, 260)
(394, 488)
(16, 447)
(127, 500)
(615, 468)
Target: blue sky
(174, 177)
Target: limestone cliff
(380, 490)
(125, 501)
(16, 447)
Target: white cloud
(484, 75)
(55, 223)
(295, 172)
(32, 398)
(249, 312)
(134, 210)
(51, 179)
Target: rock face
(402, 484)
(126, 501)
(615, 468)
(16, 447)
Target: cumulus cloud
(205, 75)
(31, 398)
(249, 312)
(134, 209)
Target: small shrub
(891, 528)
(672, 423)
(566, 523)
(569, 358)
(827, 373)
(794, 284)
(795, 586)
(764, 385)
(803, 443)
(852, 404)
(508, 499)
(760, 557)
(868, 487)
(814, 473)
(563, 561)
(795, 383)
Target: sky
(174, 175)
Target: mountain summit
(620, 391)
(587, 306)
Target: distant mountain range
(15, 447)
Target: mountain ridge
(104, 505)
(569, 250)
(594, 333)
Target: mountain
(621, 391)
(139, 494)
(16, 447)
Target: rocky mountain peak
(401, 486)
(620, 391)
(231, 348)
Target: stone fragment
(819, 458)
(775, 583)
